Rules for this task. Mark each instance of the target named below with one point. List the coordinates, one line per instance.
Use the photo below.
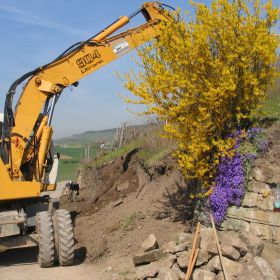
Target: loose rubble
(241, 256)
(150, 243)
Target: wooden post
(121, 135)
(194, 251)
(219, 248)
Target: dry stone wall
(256, 211)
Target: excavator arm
(27, 132)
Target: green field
(88, 138)
(68, 168)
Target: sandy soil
(121, 203)
(22, 264)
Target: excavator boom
(26, 134)
(28, 165)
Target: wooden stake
(194, 252)
(192, 264)
(219, 248)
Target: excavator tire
(64, 237)
(46, 239)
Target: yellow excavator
(29, 215)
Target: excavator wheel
(46, 239)
(64, 237)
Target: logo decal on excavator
(121, 47)
(89, 61)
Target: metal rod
(51, 111)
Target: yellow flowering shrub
(206, 77)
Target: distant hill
(88, 137)
(96, 137)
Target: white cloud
(15, 14)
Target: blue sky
(34, 32)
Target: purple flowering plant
(233, 172)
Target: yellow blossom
(206, 77)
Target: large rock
(203, 257)
(235, 225)
(254, 243)
(260, 230)
(231, 239)
(148, 257)
(250, 272)
(171, 260)
(181, 247)
(207, 238)
(235, 212)
(201, 274)
(220, 276)
(250, 199)
(179, 272)
(254, 215)
(227, 251)
(258, 187)
(183, 259)
(258, 175)
(184, 237)
(233, 268)
(265, 203)
(247, 258)
(267, 173)
(274, 219)
(170, 247)
(271, 254)
(266, 271)
(166, 261)
(146, 271)
(167, 274)
(214, 265)
(230, 253)
(150, 243)
(212, 249)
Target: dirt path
(22, 264)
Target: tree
(206, 77)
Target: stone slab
(235, 224)
(265, 269)
(250, 199)
(265, 203)
(148, 257)
(258, 187)
(254, 215)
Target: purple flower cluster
(229, 186)
(232, 172)
(257, 137)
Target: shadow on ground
(28, 256)
(180, 207)
(19, 256)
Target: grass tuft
(129, 220)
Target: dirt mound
(123, 201)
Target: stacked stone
(241, 255)
(256, 211)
